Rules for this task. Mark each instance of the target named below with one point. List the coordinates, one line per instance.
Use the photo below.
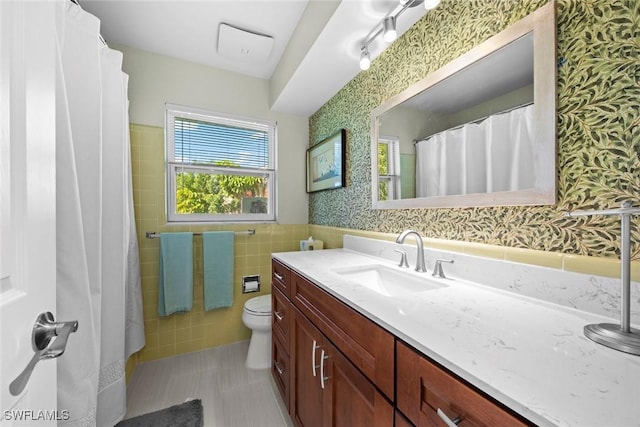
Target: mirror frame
(542, 23)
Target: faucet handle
(403, 258)
(437, 269)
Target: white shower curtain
(451, 162)
(98, 272)
(492, 155)
(509, 139)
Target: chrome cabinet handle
(279, 277)
(44, 330)
(448, 421)
(323, 357)
(278, 315)
(313, 357)
(278, 368)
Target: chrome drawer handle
(279, 316)
(279, 277)
(278, 368)
(323, 357)
(313, 357)
(448, 421)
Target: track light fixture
(389, 33)
(388, 28)
(430, 4)
(365, 60)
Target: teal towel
(217, 251)
(175, 293)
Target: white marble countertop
(529, 354)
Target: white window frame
(173, 167)
(393, 165)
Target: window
(219, 167)
(388, 168)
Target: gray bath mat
(188, 414)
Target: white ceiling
(188, 30)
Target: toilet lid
(259, 305)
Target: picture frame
(326, 163)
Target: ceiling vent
(245, 46)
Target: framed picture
(326, 163)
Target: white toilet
(257, 317)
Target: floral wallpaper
(598, 119)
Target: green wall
(598, 121)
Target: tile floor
(231, 394)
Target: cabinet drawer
(369, 347)
(281, 369)
(424, 387)
(281, 277)
(282, 317)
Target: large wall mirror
(480, 131)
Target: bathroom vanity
(349, 348)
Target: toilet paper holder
(250, 284)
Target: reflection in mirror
(478, 132)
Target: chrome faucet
(437, 268)
(420, 266)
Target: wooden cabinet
(335, 367)
(306, 404)
(401, 420)
(352, 400)
(368, 346)
(320, 347)
(281, 321)
(424, 388)
(328, 390)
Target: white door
(27, 204)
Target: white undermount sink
(389, 281)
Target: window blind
(204, 142)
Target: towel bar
(249, 232)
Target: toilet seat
(259, 306)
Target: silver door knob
(44, 330)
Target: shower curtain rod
(508, 110)
(249, 232)
(77, 3)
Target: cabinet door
(401, 420)
(349, 398)
(368, 346)
(306, 405)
